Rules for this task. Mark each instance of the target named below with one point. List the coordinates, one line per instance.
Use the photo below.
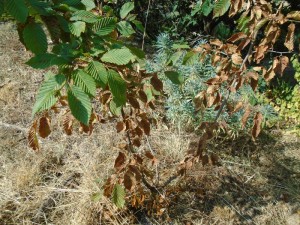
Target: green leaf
(117, 87)
(180, 46)
(47, 94)
(77, 28)
(104, 26)
(175, 57)
(89, 4)
(80, 104)
(175, 77)
(137, 52)
(126, 8)
(221, 8)
(98, 72)
(17, 9)
(84, 16)
(115, 108)
(96, 197)
(43, 8)
(85, 81)
(118, 56)
(138, 25)
(207, 7)
(72, 2)
(35, 38)
(118, 196)
(148, 92)
(45, 60)
(125, 28)
(1, 7)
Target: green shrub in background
(286, 98)
(194, 72)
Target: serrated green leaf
(47, 95)
(96, 197)
(126, 8)
(118, 196)
(104, 26)
(80, 104)
(221, 7)
(137, 52)
(43, 8)
(118, 56)
(89, 4)
(17, 9)
(138, 25)
(98, 72)
(77, 28)
(115, 108)
(175, 77)
(207, 7)
(35, 38)
(117, 87)
(84, 16)
(85, 81)
(45, 60)
(125, 28)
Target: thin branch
(145, 26)
(156, 166)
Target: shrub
(179, 105)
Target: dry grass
(256, 184)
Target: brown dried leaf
(139, 131)
(243, 44)
(205, 160)
(214, 159)
(68, 124)
(143, 96)
(294, 15)
(215, 80)
(260, 52)
(32, 137)
(157, 83)
(237, 37)
(282, 65)
(238, 107)
(120, 161)
(136, 172)
(237, 59)
(202, 144)
(216, 42)
(136, 142)
(257, 125)
(133, 101)
(44, 127)
(289, 40)
(145, 125)
(149, 155)
(129, 181)
(120, 126)
(269, 75)
(236, 6)
(138, 158)
(245, 117)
